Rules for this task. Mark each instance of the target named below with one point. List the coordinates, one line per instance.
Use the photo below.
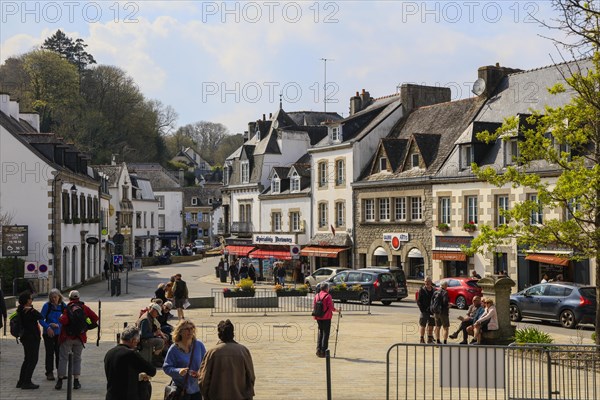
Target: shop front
(272, 248)
(534, 265)
(452, 261)
(328, 250)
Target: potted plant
(443, 227)
(343, 293)
(470, 226)
(243, 289)
(281, 291)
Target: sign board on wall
(396, 239)
(15, 240)
(274, 239)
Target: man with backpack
(180, 294)
(323, 309)
(440, 307)
(76, 319)
(425, 318)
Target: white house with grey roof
(145, 224)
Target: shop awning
(415, 253)
(239, 250)
(277, 254)
(446, 255)
(548, 259)
(380, 251)
(330, 252)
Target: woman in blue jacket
(51, 311)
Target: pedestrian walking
(123, 366)
(184, 358)
(75, 320)
(324, 322)
(227, 370)
(180, 294)
(233, 272)
(51, 312)
(281, 274)
(30, 339)
(425, 317)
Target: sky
(230, 62)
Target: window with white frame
(445, 206)
(384, 209)
(536, 211)
(340, 214)
(383, 164)
(138, 219)
(416, 209)
(466, 156)
(276, 218)
(415, 160)
(573, 206)
(340, 173)
(501, 208)
(295, 182)
(295, 221)
(226, 175)
(161, 202)
(336, 133)
(369, 210)
(400, 209)
(511, 151)
(275, 185)
(471, 209)
(194, 201)
(245, 165)
(322, 215)
(322, 174)
(161, 222)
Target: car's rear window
(386, 277)
(472, 284)
(588, 292)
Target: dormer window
(258, 135)
(466, 156)
(275, 185)
(245, 166)
(336, 134)
(226, 171)
(511, 151)
(295, 182)
(194, 201)
(383, 162)
(414, 160)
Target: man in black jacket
(123, 365)
(424, 303)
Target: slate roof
(302, 166)
(433, 129)
(159, 177)
(112, 171)
(303, 118)
(329, 239)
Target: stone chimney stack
(251, 129)
(492, 76)
(413, 96)
(354, 104)
(360, 102)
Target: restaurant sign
(453, 242)
(274, 239)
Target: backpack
(16, 325)
(436, 302)
(78, 321)
(319, 308)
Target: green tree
(566, 140)
(72, 50)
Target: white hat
(73, 294)
(154, 306)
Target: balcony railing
(242, 228)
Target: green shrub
(7, 273)
(532, 335)
(594, 336)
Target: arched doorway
(416, 263)
(380, 257)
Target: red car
(460, 291)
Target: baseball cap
(155, 307)
(73, 294)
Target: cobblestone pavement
(282, 346)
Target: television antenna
(325, 100)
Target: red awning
(330, 252)
(277, 254)
(239, 250)
(548, 259)
(449, 255)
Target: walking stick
(337, 329)
(99, 322)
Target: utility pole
(325, 82)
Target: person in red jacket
(73, 341)
(324, 322)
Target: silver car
(320, 275)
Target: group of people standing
(62, 326)
(224, 372)
(434, 307)
(175, 291)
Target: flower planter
(470, 229)
(345, 295)
(241, 293)
(290, 293)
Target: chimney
(5, 103)
(181, 177)
(413, 96)
(492, 75)
(246, 136)
(360, 102)
(264, 117)
(354, 104)
(251, 129)
(270, 115)
(32, 119)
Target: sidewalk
(282, 346)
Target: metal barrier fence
(422, 371)
(265, 301)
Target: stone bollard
(499, 289)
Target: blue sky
(228, 62)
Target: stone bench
(257, 302)
(490, 337)
(202, 302)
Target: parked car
(569, 303)
(400, 277)
(199, 246)
(377, 285)
(320, 275)
(461, 291)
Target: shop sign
(402, 236)
(15, 240)
(238, 242)
(453, 242)
(274, 239)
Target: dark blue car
(569, 303)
